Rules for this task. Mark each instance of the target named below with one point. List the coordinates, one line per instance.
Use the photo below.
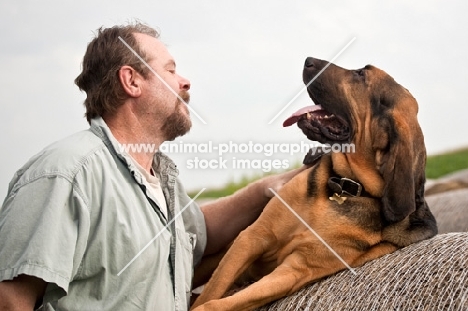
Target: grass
(227, 189)
(436, 166)
(439, 165)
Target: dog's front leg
(246, 248)
(376, 251)
(287, 278)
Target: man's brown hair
(104, 57)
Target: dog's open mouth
(319, 124)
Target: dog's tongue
(297, 115)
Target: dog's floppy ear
(403, 170)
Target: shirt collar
(161, 162)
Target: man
(87, 226)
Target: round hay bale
(429, 275)
(452, 181)
(450, 210)
(461, 175)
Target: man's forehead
(153, 48)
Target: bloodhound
(362, 204)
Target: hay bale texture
(451, 210)
(429, 275)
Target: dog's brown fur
(380, 117)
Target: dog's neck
(356, 168)
(350, 166)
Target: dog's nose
(309, 62)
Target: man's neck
(128, 130)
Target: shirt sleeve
(44, 226)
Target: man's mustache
(185, 96)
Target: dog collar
(343, 186)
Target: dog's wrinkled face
(368, 108)
(345, 99)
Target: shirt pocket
(184, 264)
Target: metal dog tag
(337, 198)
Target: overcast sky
(244, 60)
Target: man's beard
(178, 123)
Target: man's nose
(184, 84)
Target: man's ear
(130, 80)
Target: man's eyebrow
(170, 63)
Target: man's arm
(226, 217)
(21, 293)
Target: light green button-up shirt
(78, 216)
